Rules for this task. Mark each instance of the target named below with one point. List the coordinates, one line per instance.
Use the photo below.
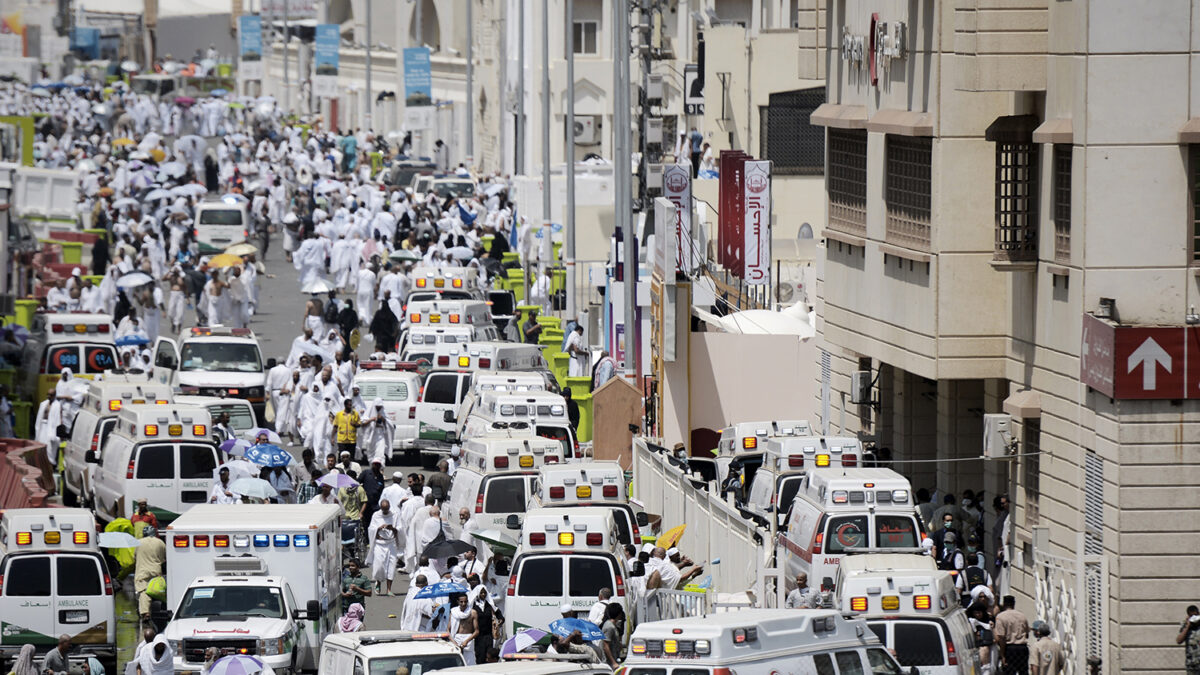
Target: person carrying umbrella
(222, 489)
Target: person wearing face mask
(939, 535)
(975, 575)
(950, 558)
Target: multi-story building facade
(1010, 198)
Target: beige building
(997, 171)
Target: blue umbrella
(218, 92)
(131, 340)
(589, 630)
(440, 589)
(265, 454)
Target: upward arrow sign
(1149, 355)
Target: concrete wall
(181, 36)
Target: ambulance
(214, 361)
(544, 411)
(95, 421)
(257, 579)
(54, 581)
(595, 484)
(512, 381)
(81, 342)
(913, 608)
(838, 512)
(447, 313)
(784, 465)
(399, 388)
(535, 664)
(495, 478)
(758, 642)
(163, 453)
(418, 342)
(449, 283)
(380, 652)
(490, 356)
(241, 413)
(565, 556)
(741, 447)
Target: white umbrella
(130, 66)
(189, 190)
(125, 201)
(235, 196)
(74, 79)
(175, 168)
(156, 194)
(39, 91)
(326, 185)
(461, 252)
(116, 540)
(253, 487)
(139, 154)
(134, 280)
(238, 468)
(318, 285)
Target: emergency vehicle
(513, 381)
(837, 512)
(565, 556)
(241, 413)
(81, 342)
(448, 283)
(163, 453)
(375, 652)
(96, 418)
(595, 484)
(784, 465)
(741, 449)
(489, 356)
(447, 313)
(544, 411)
(496, 475)
(535, 664)
(256, 579)
(214, 361)
(399, 388)
(418, 342)
(221, 223)
(912, 607)
(57, 583)
(758, 642)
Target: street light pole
(569, 248)
(287, 39)
(519, 131)
(546, 247)
(370, 103)
(470, 83)
(623, 174)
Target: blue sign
(418, 77)
(325, 59)
(86, 41)
(250, 46)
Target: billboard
(756, 252)
(731, 239)
(677, 188)
(250, 47)
(295, 9)
(693, 89)
(325, 60)
(418, 77)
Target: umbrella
(224, 260)
(175, 168)
(671, 537)
(74, 79)
(40, 92)
(239, 664)
(314, 349)
(444, 548)
(139, 154)
(133, 280)
(497, 539)
(589, 630)
(266, 454)
(239, 138)
(317, 285)
(337, 480)
(370, 248)
(157, 154)
(116, 540)
(522, 641)
(189, 190)
(461, 253)
(157, 194)
(119, 142)
(131, 340)
(130, 66)
(235, 446)
(253, 487)
(237, 197)
(242, 249)
(20, 333)
(404, 254)
(185, 101)
(440, 589)
(272, 437)
(238, 468)
(125, 201)
(327, 185)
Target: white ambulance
(81, 342)
(489, 356)
(595, 484)
(565, 556)
(838, 512)
(399, 388)
(758, 642)
(535, 664)
(450, 283)
(513, 381)
(93, 423)
(742, 445)
(256, 579)
(214, 361)
(913, 608)
(383, 652)
(447, 313)
(54, 581)
(418, 342)
(495, 478)
(163, 453)
(785, 462)
(544, 411)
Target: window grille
(1062, 203)
(909, 190)
(794, 146)
(1016, 202)
(847, 180)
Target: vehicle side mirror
(168, 615)
(314, 610)
(90, 457)
(827, 584)
(513, 522)
(643, 519)
(449, 417)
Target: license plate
(75, 616)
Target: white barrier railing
(715, 530)
(666, 604)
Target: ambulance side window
(78, 575)
(849, 663)
(358, 666)
(156, 461)
(34, 575)
(541, 577)
(824, 664)
(881, 663)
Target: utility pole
(569, 128)
(623, 175)
(287, 39)
(470, 83)
(370, 103)
(519, 127)
(419, 32)
(547, 248)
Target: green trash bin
(100, 232)
(486, 240)
(26, 308)
(516, 284)
(376, 162)
(72, 251)
(224, 70)
(557, 252)
(581, 394)
(551, 322)
(559, 363)
(8, 378)
(558, 280)
(23, 413)
(510, 256)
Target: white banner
(666, 246)
(677, 188)
(757, 223)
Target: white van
(399, 390)
(535, 664)
(418, 342)
(241, 413)
(912, 607)
(382, 652)
(214, 361)
(163, 453)
(741, 448)
(448, 283)
(595, 484)
(512, 381)
(496, 477)
(784, 465)
(221, 223)
(447, 313)
(55, 581)
(839, 512)
(96, 418)
(759, 642)
(489, 356)
(544, 411)
(565, 556)
(81, 342)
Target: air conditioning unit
(654, 87)
(587, 130)
(654, 176)
(998, 442)
(860, 387)
(654, 131)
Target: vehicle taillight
(551, 459)
(620, 587)
(1, 583)
(849, 460)
(858, 604)
(412, 412)
(443, 361)
(108, 584)
(537, 539)
(795, 461)
(594, 539)
(103, 328)
(485, 363)
(512, 584)
(951, 655)
(817, 543)
(129, 471)
(200, 541)
(722, 671)
(180, 541)
(500, 462)
(95, 442)
(56, 328)
(80, 537)
(609, 491)
(637, 534)
(749, 443)
(557, 492)
(221, 541)
(922, 602)
(479, 503)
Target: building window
(786, 137)
(847, 180)
(909, 190)
(1093, 503)
(585, 37)
(1016, 201)
(1194, 158)
(1062, 203)
(1031, 449)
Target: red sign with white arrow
(1140, 362)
